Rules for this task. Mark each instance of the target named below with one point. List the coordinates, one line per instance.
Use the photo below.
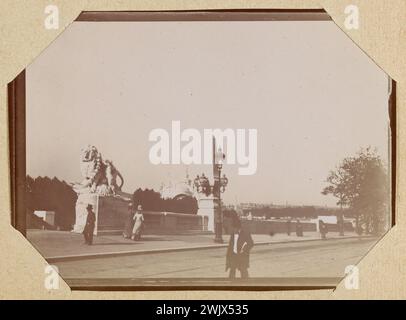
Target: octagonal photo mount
(203, 150)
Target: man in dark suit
(129, 225)
(90, 224)
(238, 251)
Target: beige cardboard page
(381, 34)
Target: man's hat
(89, 206)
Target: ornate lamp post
(202, 185)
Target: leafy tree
(152, 201)
(361, 184)
(43, 193)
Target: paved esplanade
(58, 246)
(320, 258)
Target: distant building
(178, 189)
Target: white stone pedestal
(81, 212)
(206, 208)
(111, 212)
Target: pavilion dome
(177, 189)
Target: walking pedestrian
(323, 229)
(238, 250)
(138, 224)
(90, 224)
(299, 228)
(288, 225)
(129, 225)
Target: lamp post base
(218, 234)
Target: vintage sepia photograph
(206, 150)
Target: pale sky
(313, 96)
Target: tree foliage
(360, 183)
(152, 201)
(43, 193)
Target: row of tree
(152, 201)
(55, 195)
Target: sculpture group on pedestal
(99, 177)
